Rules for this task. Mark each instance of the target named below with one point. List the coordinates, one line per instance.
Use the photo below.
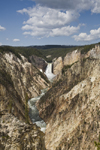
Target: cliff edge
(71, 108)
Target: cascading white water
(48, 72)
(34, 113)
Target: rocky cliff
(71, 108)
(19, 81)
(17, 135)
(57, 65)
(39, 62)
(69, 59)
(74, 56)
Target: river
(33, 111)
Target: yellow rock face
(71, 58)
(57, 66)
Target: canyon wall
(71, 108)
(39, 62)
(57, 65)
(17, 135)
(69, 59)
(72, 57)
(19, 81)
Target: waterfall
(48, 72)
(49, 68)
(33, 111)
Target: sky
(49, 22)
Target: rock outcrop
(69, 59)
(57, 66)
(72, 57)
(39, 62)
(17, 135)
(94, 53)
(19, 81)
(71, 108)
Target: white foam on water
(49, 73)
(34, 113)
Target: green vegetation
(43, 51)
(97, 144)
(86, 48)
(55, 84)
(54, 51)
(7, 49)
(25, 51)
(62, 51)
(5, 136)
(29, 51)
(5, 78)
(44, 77)
(57, 52)
(65, 68)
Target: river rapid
(33, 111)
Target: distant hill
(42, 51)
(26, 51)
(53, 46)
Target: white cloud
(7, 39)
(94, 35)
(96, 7)
(0, 43)
(65, 31)
(22, 11)
(2, 28)
(53, 17)
(78, 5)
(45, 21)
(68, 4)
(48, 17)
(16, 40)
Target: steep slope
(19, 81)
(17, 135)
(71, 108)
(39, 62)
(74, 56)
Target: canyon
(19, 81)
(70, 107)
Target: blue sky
(42, 22)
